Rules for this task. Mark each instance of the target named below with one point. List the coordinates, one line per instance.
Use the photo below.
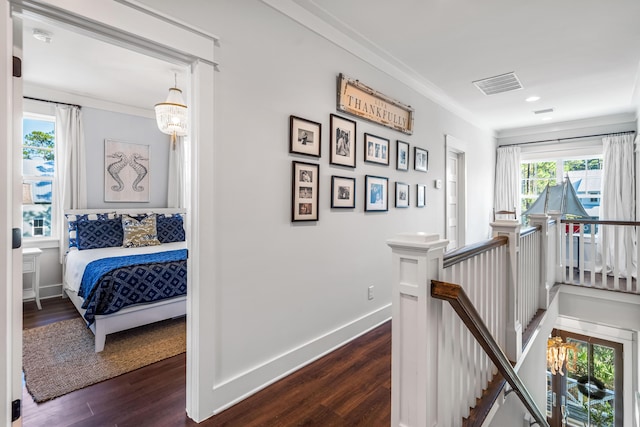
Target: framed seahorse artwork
(126, 172)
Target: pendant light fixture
(171, 115)
(558, 355)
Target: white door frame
(459, 147)
(129, 24)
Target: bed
(125, 268)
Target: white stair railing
(438, 367)
(599, 253)
(529, 273)
(462, 361)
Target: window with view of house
(585, 175)
(38, 165)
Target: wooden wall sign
(360, 100)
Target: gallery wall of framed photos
(378, 148)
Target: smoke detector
(499, 84)
(42, 35)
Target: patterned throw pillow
(106, 233)
(72, 221)
(170, 228)
(139, 233)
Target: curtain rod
(631, 132)
(51, 102)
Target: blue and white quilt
(109, 283)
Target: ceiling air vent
(545, 111)
(498, 84)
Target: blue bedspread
(113, 283)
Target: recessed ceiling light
(532, 99)
(42, 35)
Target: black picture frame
(421, 195)
(305, 183)
(402, 155)
(343, 192)
(342, 151)
(402, 195)
(305, 137)
(376, 193)
(420, 159)
(376, 149)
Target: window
(38, 165)
(585, 175)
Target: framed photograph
(343, 142)
(421, 195)
(376, 149)
(376, 193)
(343, 192)
(126, 172)
(402, 195)
(402, 158)
(305, 179)
(304, 136)
(421, 159)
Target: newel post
(560, 256)
(417, 259)
(545, 285)
(511, 229)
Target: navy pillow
(170, 228)
(73, 228)
(104, 233)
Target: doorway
(455, 188)
(120, 26)
(589, 391)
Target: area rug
(59, 358)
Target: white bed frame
(135, 315)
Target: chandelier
(171, 115)
(558, 355)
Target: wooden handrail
(530, 230)
(600, 222)
(469, 251)
(462, 305)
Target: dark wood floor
(349, 387)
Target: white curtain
(70, 190)
(618, 204)
(507, 187)
(177, 171)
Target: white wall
(100, 125)
(288, 292)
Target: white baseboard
(242, 386)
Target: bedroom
(116, 90)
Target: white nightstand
(31, 264)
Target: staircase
(466, 322)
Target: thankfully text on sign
(362, 101)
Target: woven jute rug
(60, 358)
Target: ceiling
(90, 69)
(581, 57)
